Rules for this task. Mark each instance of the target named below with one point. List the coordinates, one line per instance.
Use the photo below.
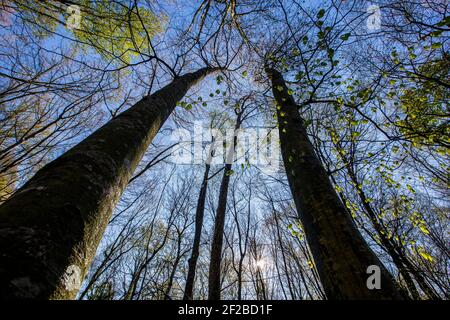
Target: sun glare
(260, 263)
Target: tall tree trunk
(199, 214)
(219, 223)
(340, 253)
(50, 228)
(214, 283)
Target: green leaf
(424, 229)
(321, 13)
(444, 22)
(229, 173)
(426, 255)
(436, 45)
(305, 39)
(331, 53)
(436, 33)
(345, 37)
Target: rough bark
(50, 228)
(340, 253)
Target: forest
(224, 150)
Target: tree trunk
(199, 213)
(216, 247)
(219, 224)
(340, 253)
(50, 228)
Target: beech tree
(339, 250)
(91, 178)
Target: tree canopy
(227, 136)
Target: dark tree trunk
(50, 228)
(214, 283)
(340, 253)
(199, 213)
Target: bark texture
(51, 227)
(340, 253)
